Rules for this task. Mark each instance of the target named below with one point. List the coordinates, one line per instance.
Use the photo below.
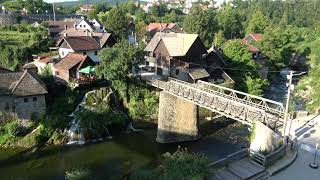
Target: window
(95, 52)
(25, 100)
(81, 26)
(62, 53)
(147, 63)
(34, 99)
(57, 73)
(84, 26)
(177, 71)
(84, 53)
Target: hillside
(74, 3)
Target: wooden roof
(21, 84)
(71, 60)
(81, 43)
(177, 44)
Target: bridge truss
(234, 104)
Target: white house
(92, 25)
(89, 44)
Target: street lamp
(313, 164)
(290, 88)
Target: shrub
(185, 165)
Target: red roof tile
(70, 61)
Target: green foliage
(185, 165)
(118, 22)
(9, 131)
(256, 86)
(39, 135)
(247, 76)
(19, 42)
(143, 103)
(200, 22)
(257, 23)
(230, 22)
(32, 6)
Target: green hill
(74, 3)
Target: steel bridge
(234, 104)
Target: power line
(225, 68)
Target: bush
(185, 165)
(13, 128)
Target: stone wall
(178, 119)
(6, 104)
(26, 106)
(7, 19)
(264, 139)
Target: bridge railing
(267, 160)
(221, 102)
(244, 98)
(252, 100)
(230, 158)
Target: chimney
(91, 34)
(65, 35)
(65, 27)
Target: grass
(15, 38)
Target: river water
(112, 159)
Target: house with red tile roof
(251, 39)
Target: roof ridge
(19, 81)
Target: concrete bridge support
(264, 139)
(178, 119)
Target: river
(112, 159)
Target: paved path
(308, 134)
(300, 169)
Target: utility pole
(54, 13)
(287, 106)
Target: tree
(92, 14)
(255, 86)
(170, 17)
(185, 165)
(257, 23)
(219, 39)
(246, 69)
(200, 22)
(118, 63)
(230, 22)
(117, 22)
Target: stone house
(22, 93)
(89, 44)
(182, 56)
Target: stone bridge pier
(264, 139)
(178, 119)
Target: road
(307, 134)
